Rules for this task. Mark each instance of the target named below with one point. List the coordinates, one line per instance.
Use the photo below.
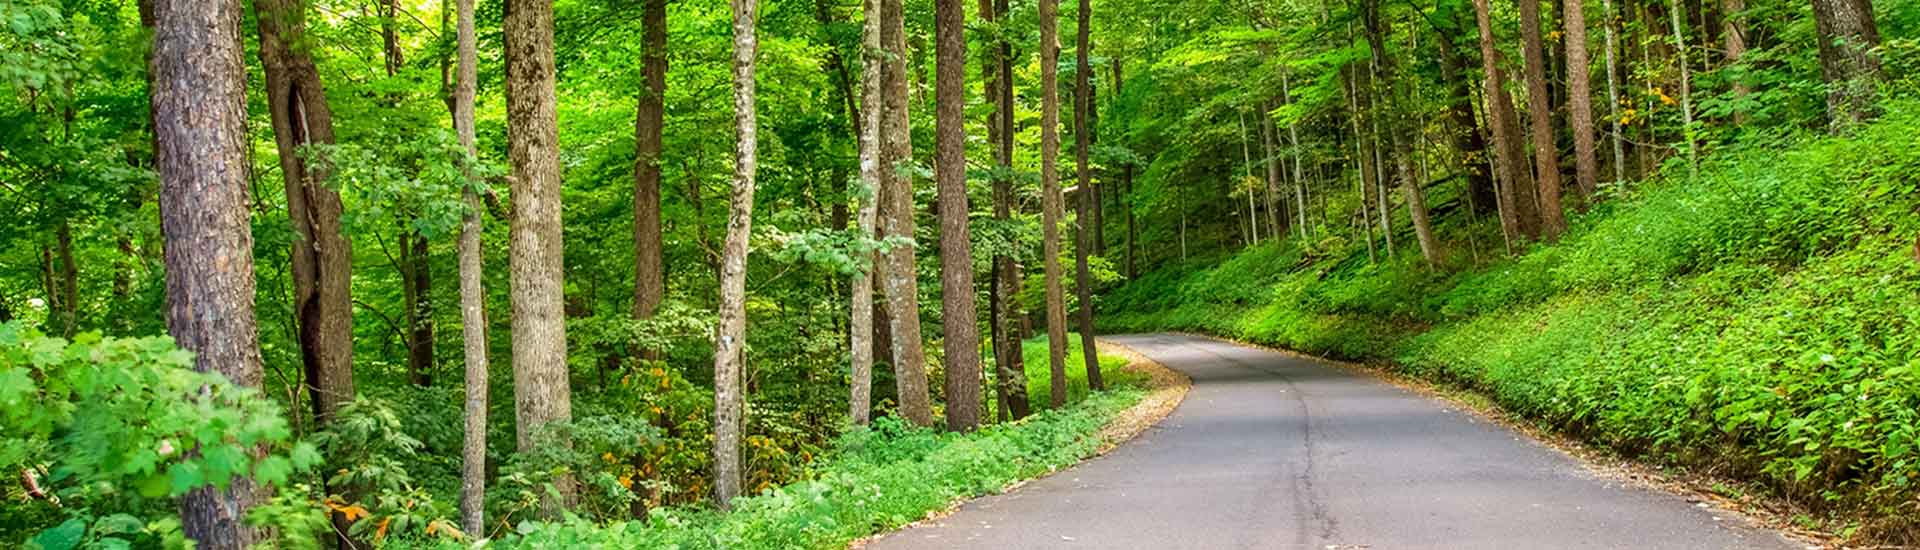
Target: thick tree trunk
(541, 393)
(1848, 37)
(1518, 220)
(1009, 358)
(1546, 156)
(200, 126)
(1580, 99)
(898, 279)
(649, 273)
(473, 297)
(733, 273)
(960, 320)
(322, 256)
(1086, 218)
(1051, 203)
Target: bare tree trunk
(541, 391)
(473, 297)
(649, 273)
(1546, 156)
(1848, 37)
(1613, 94)
(1246, 162)
(1051, 203)
(863, 334)
(733, 273)
(419, 274)
(1009, 361)
(1293, 142)
(1677, 14)
(200, 126)
(1580, 99)
(1084, 220)
(1734, 41)
(1466, 137)
(897, 276)
(960, 319)
(1517, 209)
(1360, 155)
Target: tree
(541, 393)
(962, 342)
(473, 297)
(896, 269)
(732, 330)
(1848, 38)
(1546, 156)
(1085, 218)
(1517, 214)
(649, 275)
(1580, 99)
(1009, 362)
(861, 307)
(322, 256)
(1051, 203)
(200, 136)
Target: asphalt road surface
(1276, 451)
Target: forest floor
(1275, 450)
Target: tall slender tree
(1009, 362)
(541, 393)
(473, 295)
(861, 306)
(732, 329)
(649, 273)
(1051, 203)
(898, 281)
(199, 114)
(1580, 99)
(1087, 197)
(1517, 208)
(1546, 155)
(959, 318)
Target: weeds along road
(1276, 451)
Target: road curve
(1275, 451)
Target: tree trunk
(473, 297)
(1580, 100)
(1466, 135)
(69, 290)
(1848, 37)
(1009, 362)
(959, 318)
(1398, 130)
(1546, 156)
(1613, 94)
(541, 393)
(649, 273)
(733, 273)
(1293, 142)
(898, 279)
(1270, 150)
(419, 310)
(1518, 220)
(1734, 40)
(1051, 203)
(1678, 14)
(200, 126)
(863, 335)
(1085, 218)
(322, 256)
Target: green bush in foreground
(1762, 319)
(879, 479)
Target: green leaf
(65, 536)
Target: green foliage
(125, 423)
(1757, 319)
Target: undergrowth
(1758, 320)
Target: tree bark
(1084, 220)
(1466, 136)
(322, 256)
(1733, 37)
(1009, 359)
(960, 319)
(419, 276)
(69, 290)
(1613, 93)
(1518, 220)
(1546, 156)
(1678, 13)
(649, 273)
(200, 125)
(1051, 203)
(1848, 36)
(1580, 99)
(473, 297)
(898, 279)
(733, 273)
(864, 335)
(541, 393)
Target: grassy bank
(877, 480)
(1757, 321)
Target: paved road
(1276, 451)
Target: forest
(791, 273)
